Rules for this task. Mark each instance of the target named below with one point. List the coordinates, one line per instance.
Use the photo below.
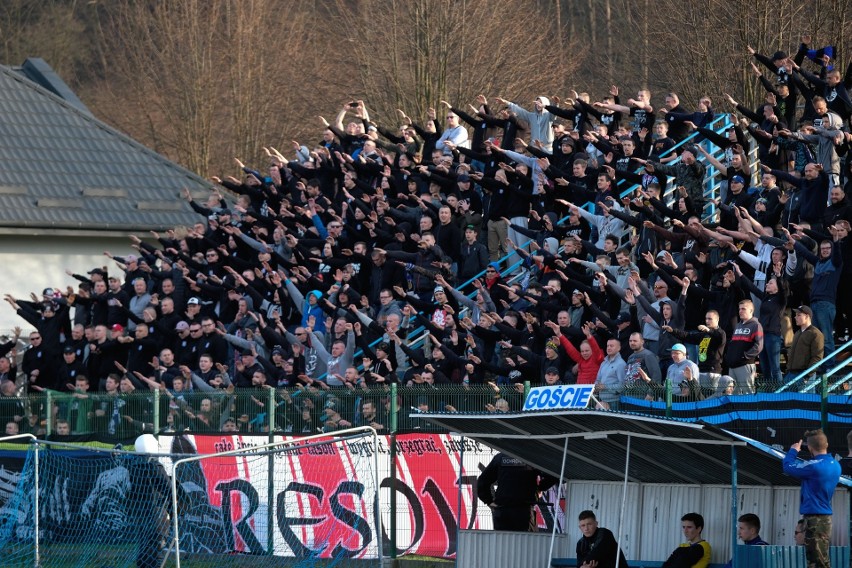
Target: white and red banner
(323, 496)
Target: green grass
(105, 555)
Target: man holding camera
(819, 476)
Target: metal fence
(389, 409)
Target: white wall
(33, 263)
(653, 511)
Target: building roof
(62, 168)
(661, 450)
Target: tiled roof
(61, 168)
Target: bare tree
(203, 81)
(451, 50)
(54, 30)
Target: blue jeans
(770, 359)
(692, 351)
(823, 319)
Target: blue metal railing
(804, 374)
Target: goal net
(262, 505)
(312, 501)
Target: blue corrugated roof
(56, 161)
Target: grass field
(107, 555)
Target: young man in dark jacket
(745, 346)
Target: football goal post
(311, 501)
(305, 502)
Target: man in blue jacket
(819, 477)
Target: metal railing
(807, 385)
(299, 411)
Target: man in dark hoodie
(828, 266)
(813, 189)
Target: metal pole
(270, 475)
(734, 505)
(623, 501)
(156, 411)
(668, 398)
(377, 516)
(823, 402)
(459, 499)
(558, 492)
(175, 514)
(36, 505)
(48, 419)
(393, 424)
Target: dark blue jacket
(826, 272)
(819, 477)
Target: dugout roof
(661, 450)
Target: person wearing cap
(276, 367)
(806, 349)
(737, 196)
(184, 342)
(779, 64)
(193, 309)
(247, 366)
(552, 376)
(69, 370)
(683, 374)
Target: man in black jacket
(474, 256)
(518, 486)
(745, 345)
(597, 548)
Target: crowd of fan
(311, 280)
